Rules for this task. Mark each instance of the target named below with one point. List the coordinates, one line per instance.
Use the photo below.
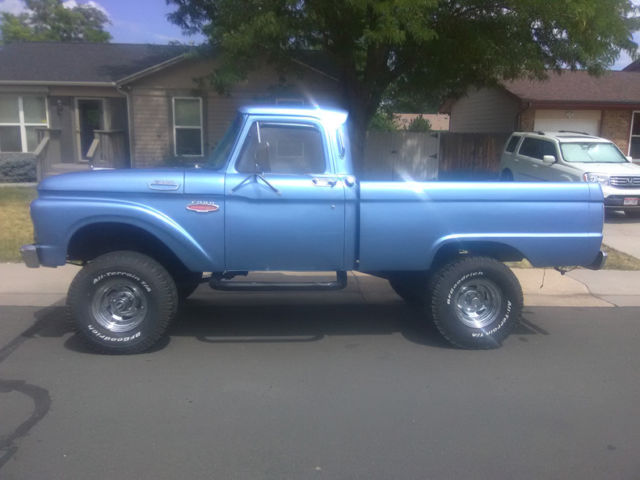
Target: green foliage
(429, 49)
(382, 121)
(419, 124)
(17, 168)
(50, 21)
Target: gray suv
(573, 157)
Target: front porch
(108, 149)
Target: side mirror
(629, 158)
(549, 159)
(263, 163)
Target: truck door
(284, 208)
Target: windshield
(220, 154)
(592, 153)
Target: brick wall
(151, 117)
(615, 126)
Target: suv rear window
(513, 142)
(536, 148)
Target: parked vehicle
(279, 193)
(574, 157)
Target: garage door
(587, 121)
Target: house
(439, 121)
(72, 105)
(606, 106)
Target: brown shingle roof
(580, 87)
(80, 62)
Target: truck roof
(326, 115)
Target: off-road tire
(450, 284)
(138, 276)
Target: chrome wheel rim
(477, 302)
(119, 305)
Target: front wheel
(476, 302)
(122, 302)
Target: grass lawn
(16, 230)
(15, 222)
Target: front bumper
(599, 261)
(615, 197)
(30, 256)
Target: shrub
(17, 168)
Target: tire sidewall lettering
(119, 273)
(460, 280)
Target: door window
(282, 148)
(537, 148)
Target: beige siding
(151, 106)
(485, 110)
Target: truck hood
(117, 181)
(608, 168)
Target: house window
(20, 117)
(634, 143)
(187, 126)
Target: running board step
(221, 284)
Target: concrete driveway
(623, 233)
(348, 385)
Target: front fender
(54, 233)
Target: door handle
(324, 182)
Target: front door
(90, 115)
(284, 211)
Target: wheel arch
(99, 236)
(448, 251)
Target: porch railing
(108, 149)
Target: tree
(419, 124)
(50, 21)
(433, 47)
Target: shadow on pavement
(266, 323)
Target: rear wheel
(476, 302)
(122, 302)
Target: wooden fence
(400, 156)
(476, 155)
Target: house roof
(83, 63)
(632, 67)
(613, 87)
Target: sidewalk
(21, 286)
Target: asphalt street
(267, 386)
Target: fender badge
(202, 206)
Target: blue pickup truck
(279, 193)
